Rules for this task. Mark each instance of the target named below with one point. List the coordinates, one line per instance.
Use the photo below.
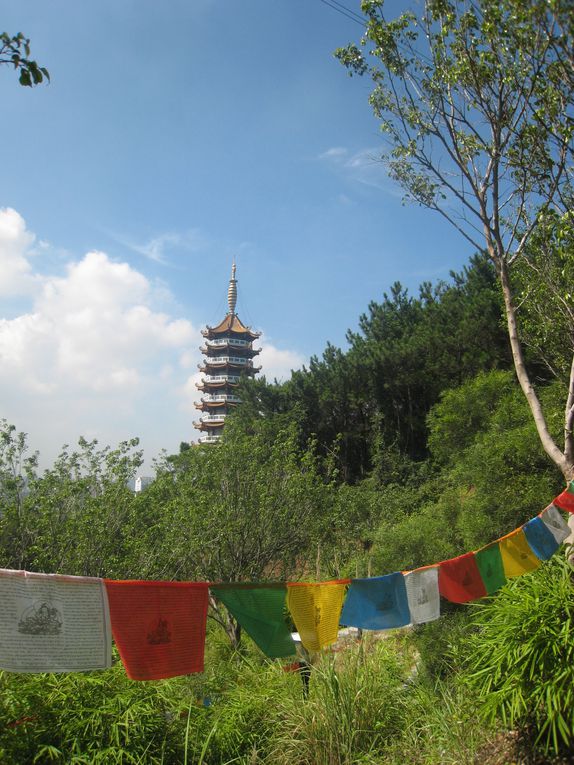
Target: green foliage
(352, 712)
(520, 659)
(442, 725)
(476, 103)
(367, 407)
(15, 51)
(249, 714)
(73, 518)
(437, 642)
(491, 476)
(248, 509)
(464, 412)
(92, 718)
(542, 281)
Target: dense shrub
(99, 717)
(520, 661)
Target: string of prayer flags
(423, 595)
(517, 556)
(159, 627)
(377, 603)
(540, 539)
(555, 523)
(459, 579)
(261, 610)
(53, 623)
(316, 609)
(565, 501)
(489, 562)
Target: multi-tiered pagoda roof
(228, 355)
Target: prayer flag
(53, 623)
(261, 610)
(459, 579)
(422, 594)
(489, 562)
(565, 501)
(377, 603)
(159, 627)
(315, 609)
(517, 556)
(540, 538)
(555, 523)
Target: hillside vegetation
(376, 458)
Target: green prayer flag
(261, 611)
(489, 561)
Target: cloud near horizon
(91, 355)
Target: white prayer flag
(423, 595)
(555, 523)
(53, 623)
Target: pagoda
(228, 356)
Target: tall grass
(352, 711)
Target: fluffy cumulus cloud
(277, 364)
(16, 246)
(71, 338)
(91, 354)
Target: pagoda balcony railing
(215, 360)
(221, 378)
(238, 342)
(208, 439)
(221, 397)
(213, 418)
(249, 352)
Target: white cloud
(364, 166)
(157, 248)
(92, 355)
(278, 364)
(73, 335)
(337, 152)
(16, 277)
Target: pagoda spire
(232, 291)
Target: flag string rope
(60, 623)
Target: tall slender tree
(476, 100)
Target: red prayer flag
(565, 501)
(459, 579)
(158, 627)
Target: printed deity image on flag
(53, 623)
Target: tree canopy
(476, 101)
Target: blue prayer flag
(377, 603)
(540, 538)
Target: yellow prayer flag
(517, 555)
(316, 609)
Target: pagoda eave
(208, 425)
(209, 385)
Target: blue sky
(173, 137)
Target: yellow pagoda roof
(232, 323)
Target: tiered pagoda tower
(228, 353)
